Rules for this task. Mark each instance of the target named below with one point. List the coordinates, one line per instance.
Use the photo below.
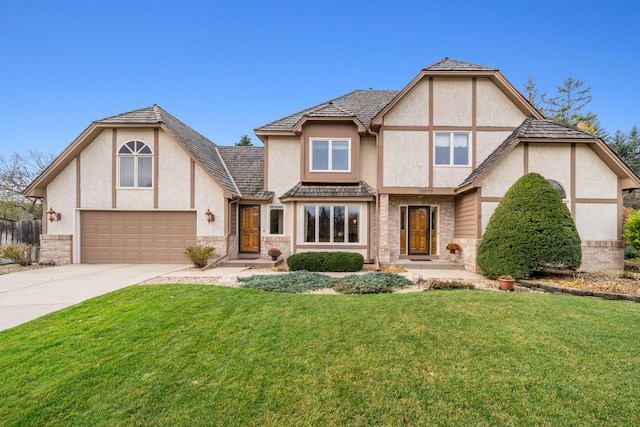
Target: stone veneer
(468, 254)
(57, 248)
(446, 219)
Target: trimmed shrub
(325, 261)
(199, 254)
(371, 283)
(297, 282)
(449, 285)
(531, 228)
(17, 254)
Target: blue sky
(225, 68)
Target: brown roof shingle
(300, 190)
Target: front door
(419, 230)
(250, 228)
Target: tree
(567, 105)
(245, 141)
(627, 147)
(530, 229)
(17, 171)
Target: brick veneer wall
(384, 249)
(57, 248)
(218, 242)
(602, 255)
(281, 242)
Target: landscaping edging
(549, 287)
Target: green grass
(205, 355)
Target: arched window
(556, 185)
(135, 161)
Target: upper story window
(135, 162)
(452, 149)
(330, 155)
(559, 188)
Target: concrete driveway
(30, 294)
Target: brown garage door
(136, 237)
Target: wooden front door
(250, 228)
(419, 230)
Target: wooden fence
(20, 232)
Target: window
(330, 155)
(276, 219)
(135, 161)
(558, 187)
(332, 224)
(452, 149)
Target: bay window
(331, 223)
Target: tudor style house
(393, 175)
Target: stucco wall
(412, 109)
(452, 102)
(208, 195)
(493, 106)
(95, 167)
(369, 161)
(552, 161)
(510, 169)
(134, 198)
(487, 142)
(589, 166)
(449, 176)
(487, 209)
(61, 196)
(283, 164)
(597, 221)
(174, 167)
(406, 159)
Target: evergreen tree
(244, 141)
(531, 228)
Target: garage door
(136, 237)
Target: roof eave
(297, 129)
(327, 199)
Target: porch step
(435, 264)
(250, 263)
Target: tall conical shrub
(530, 229)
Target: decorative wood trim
(474, 100)
(380, 177)
(431, 159)
(603, 201)
(479, 212)
(114, 170)
(295, 227)
(78, 182)
(419, 191)
(491, 199)
(44, 221)
(454, 128)
(192, 183)
(369, 231)
(265, 166)
(620, 209)
(156, 162)
(573, 181)
(525, 158)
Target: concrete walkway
(30, 294)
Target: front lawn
(207, 355)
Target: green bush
(632, 230)
(17, 254)
(325, 261)
(371, 283)
(296, 282)
(531, 228)
(199, 254)
(630, 252)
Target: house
(393, 175)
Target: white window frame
(331, 224)
(330, 154)
(451, 148)
(135, 157)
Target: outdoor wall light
(53, 215)
(210, 216)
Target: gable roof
(362, 105)
(447, 64)
(535, 130)
(246, 166)
(199, 147)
